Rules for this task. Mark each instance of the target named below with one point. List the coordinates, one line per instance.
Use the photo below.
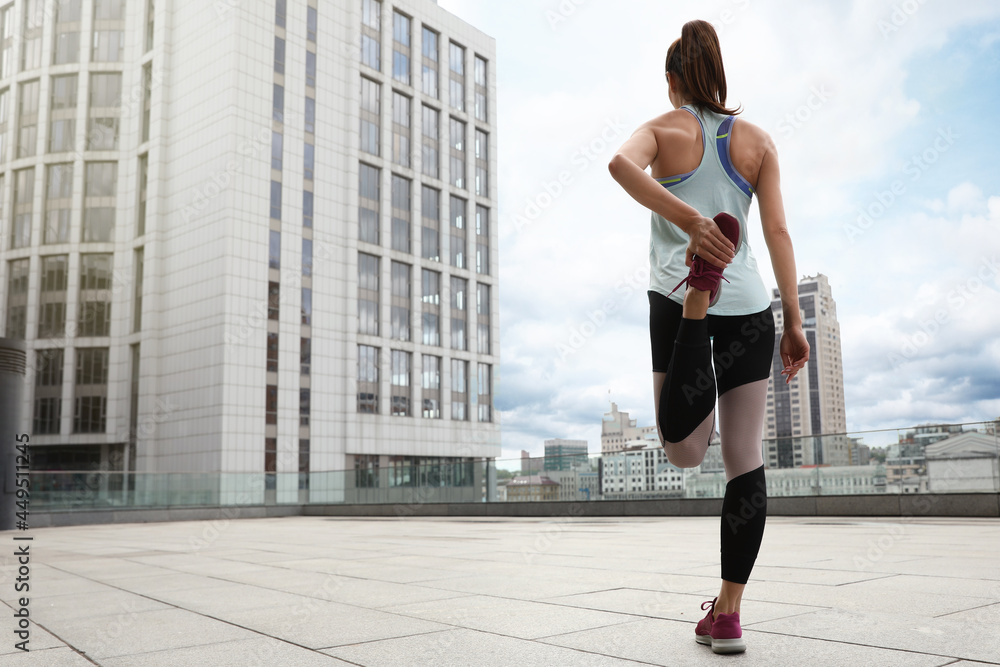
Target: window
(429, 154)
(430, 233)
(104, 110)
(310, 124)
(24, 198)
(281, 13)
(274, 250)
(368, 215)
(307, 209)
(429, 72)
(62, 114)
(31, 34)
(400, 301)
(109, 23)
(304, 406)
(307, 307)
(371, 110)
(481, 100)
(431, 306)
(48, 390)
(371, 37)
(17, 298)
(459, 308)
(310, 69)
(276, 200)
(311, 24)
(485, 393)
(459, 390)
(277, 143)
(483, 318)
(368, 294)
(27, 121)
(101, 182)
(273, 299)
(401, 48)
(147, 98)
(431, 385)
(143, 186)
(308, 161)
(4, 116)
(58, 202)
(457, 148)
(368, 379)
(482, 164)
(366, 475)
(279, 55)
(278, 103)
(52, 299)
(305, 356)
(7, 41)
(456, 65)
(400, 129)
(91, 395)
(400, 213)
(137, 294)
(271, 405)
(307, 258)
(272, 351)
(150, 15)
(482, 240)
(458, 232)
(95, 295)
(400, 384)
(271, 451)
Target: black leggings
(728, 357)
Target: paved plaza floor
(471, 592)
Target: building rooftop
(506, 591)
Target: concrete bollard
(12, 369)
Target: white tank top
(712, 188)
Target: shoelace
(707, 269)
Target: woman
(706, 168)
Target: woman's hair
(696, 59)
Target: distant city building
(642, 472)
(813, 403)
(530, 464)
(927, 434)
(803, 481)
(532, 488)
(904, 461)
(617, 429)
(565, 454)
(965, 462)
(576, 485)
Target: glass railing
(940, 459)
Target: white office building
(251, 237)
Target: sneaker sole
(704, 639)
(737, 645)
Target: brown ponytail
(696, 59)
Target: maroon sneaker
(707, 276)
(703, 631)
(727, 635)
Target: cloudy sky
(885, 115)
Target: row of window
(400, 398)
(104, 104)
(369, 216)
(90, 390)
(402, 145)
(401, 325)
(107, 35)
(93, 302)
(371, 56)
(420, 471)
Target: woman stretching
(706, 167)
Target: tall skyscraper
(251, 236)
(618, 431)
(813, 403)
(563, 454)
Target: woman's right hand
(709, 243)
